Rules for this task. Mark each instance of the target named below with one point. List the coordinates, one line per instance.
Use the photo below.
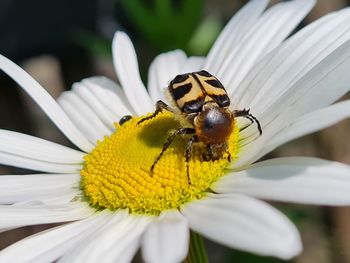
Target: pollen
(116, 174)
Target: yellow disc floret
(116, 173)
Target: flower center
(117, 173)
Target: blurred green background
(60, 42)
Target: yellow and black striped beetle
(202, 102)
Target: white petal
(293, 179)
(245, 223)
(193, 64)
(36, 148)
(100, 109)
(324, 84)
(233, 33)
(162, 70)
(36, 165)
(126, 66)
(269, 31)
(166, 239)
(129, 252)
(18, 216)
(49, 245)
(276, 74)
(110, 95)
(83, 117)
(113, 242)
(308, 123)
(46, 102)
(61, 198)
(32, 187)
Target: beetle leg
(248, 125)
(124, 119)
(169, 141)
(160, 106)
(209, 155)
(188, 154)
(245, 113)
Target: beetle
(202, 102)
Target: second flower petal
(245, 223)
(292, 179)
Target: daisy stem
(196, 253)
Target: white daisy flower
(105, 192)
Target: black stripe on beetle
(179, 78)
(180, 91)
(215, 83)
(204, 73)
